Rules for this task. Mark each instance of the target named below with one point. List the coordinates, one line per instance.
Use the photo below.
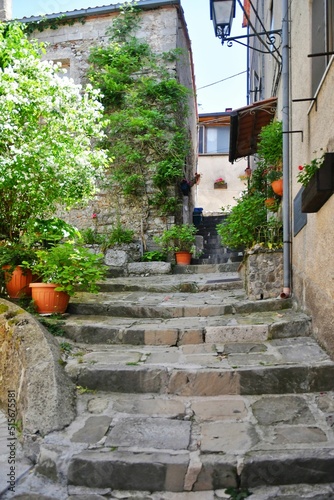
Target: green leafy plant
(180, 237)
(238, 493)
(70, 266)
(307, 171)
(118, 235)
(240, 229)
(47, 130)
(153, 255)
(146, 112)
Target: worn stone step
(207, 268)
(171, 305)
(174, 283)
(254, 327)
(279, 366)
(152, 443)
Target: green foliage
(180, 237)
(46, 133)
(269, 159)
(270, 146)
(118, 235)
(72, 267)
(146, 108)
(153, 255)
(49, 231)
(238, 493)
(91, 237)
(54, 24)
(52, 324)
(242, 224)
(15, 253)
(307, 171)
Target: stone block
(238, 333)
(192, 336)
(149, 268)
(222, 408)
(217, 472)
(234, 438)
(313, 466)
(146, 433)
(139, 471)
(161, 337)
(94, 430)
(203, 383)
(122, 378)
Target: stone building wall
(164, 28)
(262, 272)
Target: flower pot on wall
(277, 187)
(320, 187)
(183, 258)
(47, 300)
(17, 282)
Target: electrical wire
(219, 81)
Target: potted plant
(317, 179)
(17, 276)
(179, 239)
(63, 270)
(220, 183)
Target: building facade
(163, 27)
(307, 100)
(221, 183)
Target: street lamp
(222, 14)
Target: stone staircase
(187, 388)
(213, 251)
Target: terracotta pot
(270, 203)
(183, 258)
(47, 300)
(17, 282)
(277, 187)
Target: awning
(246, 124)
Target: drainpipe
(286, 170)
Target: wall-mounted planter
(220, 185)
(321, 186)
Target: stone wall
(164, 29)
(30, 369)
(262, 272)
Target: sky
(212, 62)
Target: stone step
(179, 282)
(171, 305)
(167, 443)
(293, 365)
(207, 268)
(254, 327)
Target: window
(214, 140)
(322, 38)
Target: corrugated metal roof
(105, 9)
(246, 125)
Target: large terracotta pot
(183, 258)
(17, 282)
(277, 187)
(47, 300)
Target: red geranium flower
(300, 167)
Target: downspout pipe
(286, 142)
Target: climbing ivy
(54, 23)
(147, 109)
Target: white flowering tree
(48, 126)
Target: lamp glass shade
(223, 11)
